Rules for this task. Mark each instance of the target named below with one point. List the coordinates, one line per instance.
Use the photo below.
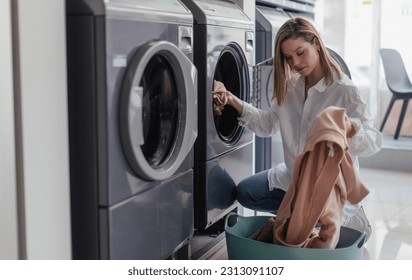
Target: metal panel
(149, 225)
(290, 5)
(217, 12)
(216, 184)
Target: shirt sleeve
(263, 123)
(279, 177)
(367, 140)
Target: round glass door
(158, 113)
(159, 110)
(232, 71)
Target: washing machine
(303, 7)
(224, 51)
(270, 15)
(132, 93)
(268, 22)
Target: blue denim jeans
(253, 193)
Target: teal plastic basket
(238, 229)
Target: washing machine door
(158, 110)
(232, 70)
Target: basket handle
(229, 215)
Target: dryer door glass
(159, 110)
(232, 71)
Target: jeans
(253, 193)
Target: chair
(398, 83)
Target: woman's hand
(218, 86)
(350, 129)
(220, 97)
(217, 106)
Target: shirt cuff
(244, 117)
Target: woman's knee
(242, 192)
(249, 190)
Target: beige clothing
(295, 117)
(323, 179)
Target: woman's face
(302, 56)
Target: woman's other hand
(350, 129)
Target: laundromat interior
(111, 151)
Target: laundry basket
(241, 247)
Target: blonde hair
(295, 28)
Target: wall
(41, 129)
(8, 196)
(333, 31)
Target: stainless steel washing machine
(270, 15)
(304, 7)
(224, 51)
(132, 91)
(268, 22)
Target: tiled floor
(389, 209)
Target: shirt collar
(321, 84)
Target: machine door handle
(249, 41)
(185, 38)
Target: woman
(307, 80)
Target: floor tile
(389, 210)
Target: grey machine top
(218, 12)
(150, 10)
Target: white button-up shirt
(295, 117)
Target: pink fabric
(322, 181)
